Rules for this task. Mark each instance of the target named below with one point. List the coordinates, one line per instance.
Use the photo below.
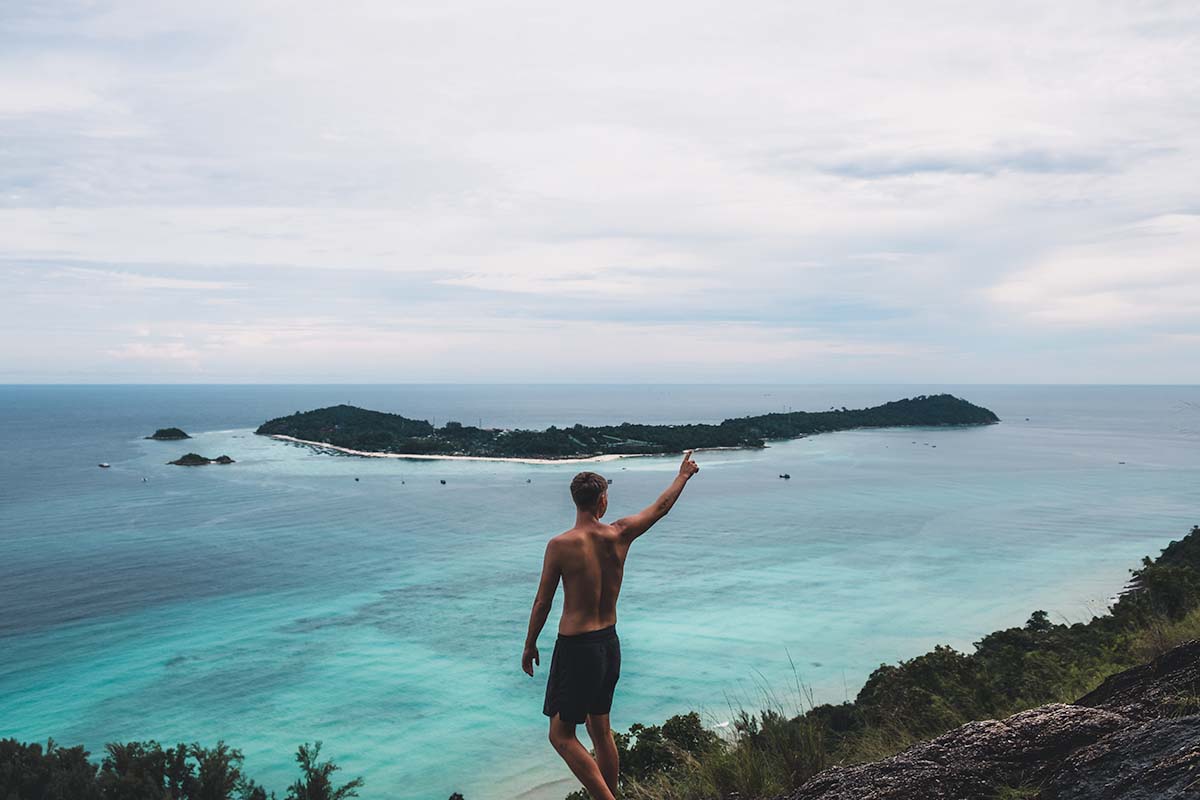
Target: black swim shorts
(583, 674)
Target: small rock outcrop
(1169, 686)
(1136, 737)
(168, 435)
(197, 460)
(971, 761)
(1156, 760)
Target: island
(359, 431)
(197, 460)
(169, 435)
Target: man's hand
(688, 468)
(529, 658)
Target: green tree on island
(377, 431)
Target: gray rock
(970, 761)
(1152, 761)
(1129, 739)
(1166, 687)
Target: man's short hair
(586, 490)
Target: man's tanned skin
(590, 561)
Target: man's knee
(597, 725)
(561, 734)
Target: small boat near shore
(104, 465)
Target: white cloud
(172, 352)
(425, 349)
(918, 174)
(137, 282)
(21, 96)
(1146, 271)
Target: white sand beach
(428, 457)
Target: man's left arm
(631, 527)
(542, 604)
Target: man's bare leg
(562, 736)
(606, 749)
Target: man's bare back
(589, 559)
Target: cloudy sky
(260, 190)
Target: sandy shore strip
(428, 457)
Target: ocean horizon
(298, 596)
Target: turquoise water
(278, 600)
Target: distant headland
(168, 435)
(360, 431)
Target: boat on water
(104, 465)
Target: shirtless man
(590, 560)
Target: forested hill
(377, 431)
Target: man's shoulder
(576, 536)
(605, 533)
(564, 539)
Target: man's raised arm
(542, 603)
(635, 525)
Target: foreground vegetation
(376, 431)
(774, 751)
(148, 771)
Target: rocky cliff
(1136, 737)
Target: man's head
(590, 493)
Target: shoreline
(552, 789)
(502, 459)
(509, 459)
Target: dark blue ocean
(277, 600)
